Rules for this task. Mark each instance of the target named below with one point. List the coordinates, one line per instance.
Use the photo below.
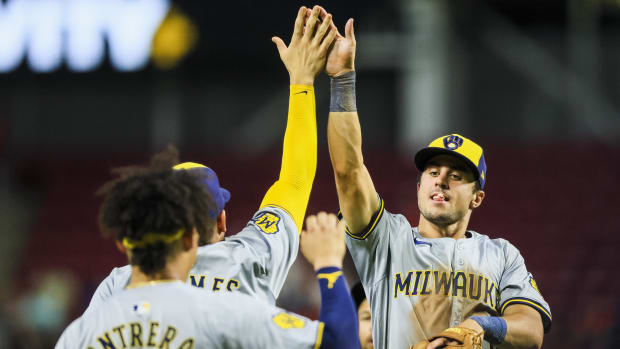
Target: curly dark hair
(155, 199)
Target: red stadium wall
(558, 204)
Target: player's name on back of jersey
(139, 335)
(217, 284)
(453, 284)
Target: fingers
(322, 13)
(299, 23)
(311, 224)
(436, 343)
(323, 28)
(279, 44)
(323, 222)
(328, 40)
(328, 222)
(311, 23)
(348, 30)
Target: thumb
(279, 43)
(349, 32)
(436, 343)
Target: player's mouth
(440, 197)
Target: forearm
(337, 311)
(344, 138)
(524, 331)
(343, 128)
(292, 190)
(521, 328)
(356, 193)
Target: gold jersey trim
(371, 226)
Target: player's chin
(439, 217)
(438, 210)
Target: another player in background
(363, 316)
(421, 281)
(155, 214)
(256, 260)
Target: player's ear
(190, 239)
(221, 222)
(477, 199)
(120, 247)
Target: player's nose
(442, 180)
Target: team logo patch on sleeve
(533, 283)
(267, 222)
(287, 321)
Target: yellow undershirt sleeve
(291, 191)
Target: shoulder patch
(267, 222)
(533, 283)
(287, 321)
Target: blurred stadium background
(86, 85)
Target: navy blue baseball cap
(212, 183)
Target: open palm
(341, 57)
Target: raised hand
(341, 57)
(322, 243)
(306, 55)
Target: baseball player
(156, 214)
(256, 260)
(438, 283)
(363, 316)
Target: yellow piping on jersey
(528, 302)
(152, 238)
(370, 227)
(319, 336)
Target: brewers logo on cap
(455, 144)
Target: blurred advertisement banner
(48, 33)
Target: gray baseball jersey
(175, 315)
(255, 261)
(418, 287)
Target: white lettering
(48, 31)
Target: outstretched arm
(304, 58)
(356, 192)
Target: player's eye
(455, 176)
(433, 172)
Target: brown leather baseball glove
(458, 337)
